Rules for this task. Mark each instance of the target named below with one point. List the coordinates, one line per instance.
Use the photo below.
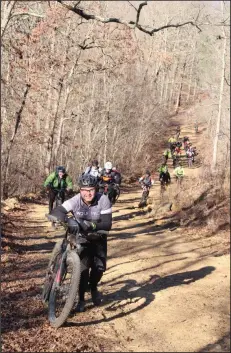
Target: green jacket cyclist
(57, 181)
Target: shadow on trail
(221, 345)
(133, 200)
(172, 225)
(128, 216)
(20, 249)
(132, 292)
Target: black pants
(52, 195)
(165, 177)
(93, 260)
(111, 192)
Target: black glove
(86, 225)
(52, 218)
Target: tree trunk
(178, 101)
(106, 138)
(214, 161)
(6, 10)
(18, 117)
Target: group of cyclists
(91, 208)
(175, 151)
(59, 182)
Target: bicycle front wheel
(64, 290)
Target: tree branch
(138, 12)
(26, 14)
(130, 24)
(132, 5)
(227, 81)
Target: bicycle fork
(61, 269)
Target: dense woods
(75, 88)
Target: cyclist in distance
(57, 181)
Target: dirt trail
(164, 290)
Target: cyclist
(93, 169)
(194, 153)
(178, 150)
(164, 176)
(146, 179)
(167, 154)
(178, 132)
(175, 159)
(108, 179)
(57, 181)
(146, 182)
(93, 211)
(189, 154)
(185, 142)
(117, 176)
(179, 173)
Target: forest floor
(166, 288)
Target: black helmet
(87, 180)
(60, 169)
(147, 172)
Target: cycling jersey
(146, 180)
(179, 171)
(100, 206)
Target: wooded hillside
(76, 87)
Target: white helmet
(108, 165)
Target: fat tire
(74, 287)
(55, 256)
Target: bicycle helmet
(108, 165)
(87, 180)
(60, 169)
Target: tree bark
(214, 161)
(18, 118)
(6, 9)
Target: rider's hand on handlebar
(52, 218)
(86, 225)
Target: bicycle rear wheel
(143, 201)
(64, 290)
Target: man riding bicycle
(179, 173)
(57, 182)
(146, 182)
(164, 176)
(146, 179)
(108, 178)
(167, 154)
(178, 130)
(93, 169)
(93, 211)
